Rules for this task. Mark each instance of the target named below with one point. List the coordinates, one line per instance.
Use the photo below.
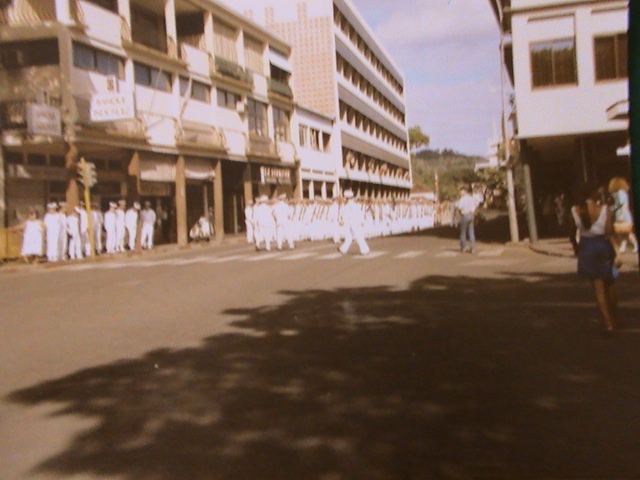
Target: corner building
(342, 71)
(184, 103)
(567, 61)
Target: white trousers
(354, 233)
(146, 235)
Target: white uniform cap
(136, 205)
(348, 194)
(52, 205)
(282, 196)
(264, 198)
(112, 204)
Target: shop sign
(108, 107)
(275, 175)
(43, 120)
(154, 189)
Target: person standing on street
(467, 207)
(52, 225)
(283, 214)
(131, 224)
(148, 219)
(248, 220)
(75, 239)
(98, 221)
(110, 227)
(120, 225)
(32, 238)
(353, 219)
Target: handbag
(622, 228)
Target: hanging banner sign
(275, 176)
(108, 107)
(43, 120)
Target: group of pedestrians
(284, 221)
(64, 234)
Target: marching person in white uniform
(248, 220)
(84, 229)
(98, 221)
(148, 219)
(283, 214)
(75, 239)
(131, 224)
(64, 237)
(53, 226)
(353, 218)
(265, 224)
(110, 227)
(33, 238)
(120, 225)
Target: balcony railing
(261, 147)
(22, 12)
(229, 69)
(199, 135)
(280, 87)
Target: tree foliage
(417, 139)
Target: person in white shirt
(75, 239)
(283, 214)
(353, 218)
(467, 207)
(265, 225)
(53, 226)
(120, 225)
(131, 224)
(98, 221)
(248, 220)
(148, 219)
(110, 228)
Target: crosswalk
(488, 257)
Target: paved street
(415, 362)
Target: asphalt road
(415, 362)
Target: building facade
(342, 71)
(186, 104)
(567, 61)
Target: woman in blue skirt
(596, 255)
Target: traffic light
(87, 173)
(90, 175)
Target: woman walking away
(623, 220)
(596, 254)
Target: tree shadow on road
(451, 378)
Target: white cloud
(438, 21)
(448, 51)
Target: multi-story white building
(183, 103)
(567, 61)
(342, 71)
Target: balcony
(262, 147)
(200, 136)
(280, 87)
(33, 12)
(229, 69)
(13, 114)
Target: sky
(448, 51)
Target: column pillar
(248, 185)
(3, 198)
(181, 202)
(528, 185)
(218, 199)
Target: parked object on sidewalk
(596, 253)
